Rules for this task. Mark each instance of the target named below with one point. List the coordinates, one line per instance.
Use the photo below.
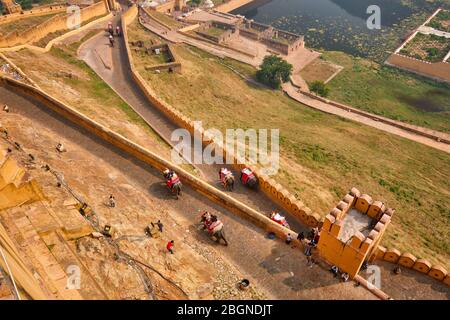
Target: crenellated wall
(142, 154)
(267, 185)
(39, 11)
(408, 260)
(350, 255)
(55, 23)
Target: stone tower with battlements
(352, 231)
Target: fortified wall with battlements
(54, 24)
(352, 231)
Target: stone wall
(230, 31)
(142, 154)
(408, 260)
(172, 66)
(438, 71)
(39, 11)
(350, 255)
(269, 186)
(56, 23)
(288, 43)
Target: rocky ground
(194, 271)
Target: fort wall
(439, 70)
(269, 186)
(359, 249)
(280, 41)
(39, 11)
(55, 23)
(146, 156)
(351, 254)
(408, 260)
(230, 32)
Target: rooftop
(353, 222)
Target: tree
(319, 87)
(195, 2)
(273, 71)
(25, 4)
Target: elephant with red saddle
(214, 227)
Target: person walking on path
(112, 201)
(160, 226)
(170, 246)
(288, 238)
(308, 254)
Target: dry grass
(322, 156)
(165, 19)
(24, 24)
(318, 70)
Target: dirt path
(291, 91)
(275, 267)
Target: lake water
(341, 24)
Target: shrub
(319, 87)
(273, 71)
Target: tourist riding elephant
(214, 227)
(248, 178)
(227, 179)
(173, 182)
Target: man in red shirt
(170, 246)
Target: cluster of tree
(274, 71)
(26, 4)
(319, 87)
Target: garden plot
(427, 47)
(441, 21)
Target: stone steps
(52, 275)
(62, 252)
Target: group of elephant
(226, 178)
(210, 222)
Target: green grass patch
(390, 92)
(323, 156)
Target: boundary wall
(269, 186)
